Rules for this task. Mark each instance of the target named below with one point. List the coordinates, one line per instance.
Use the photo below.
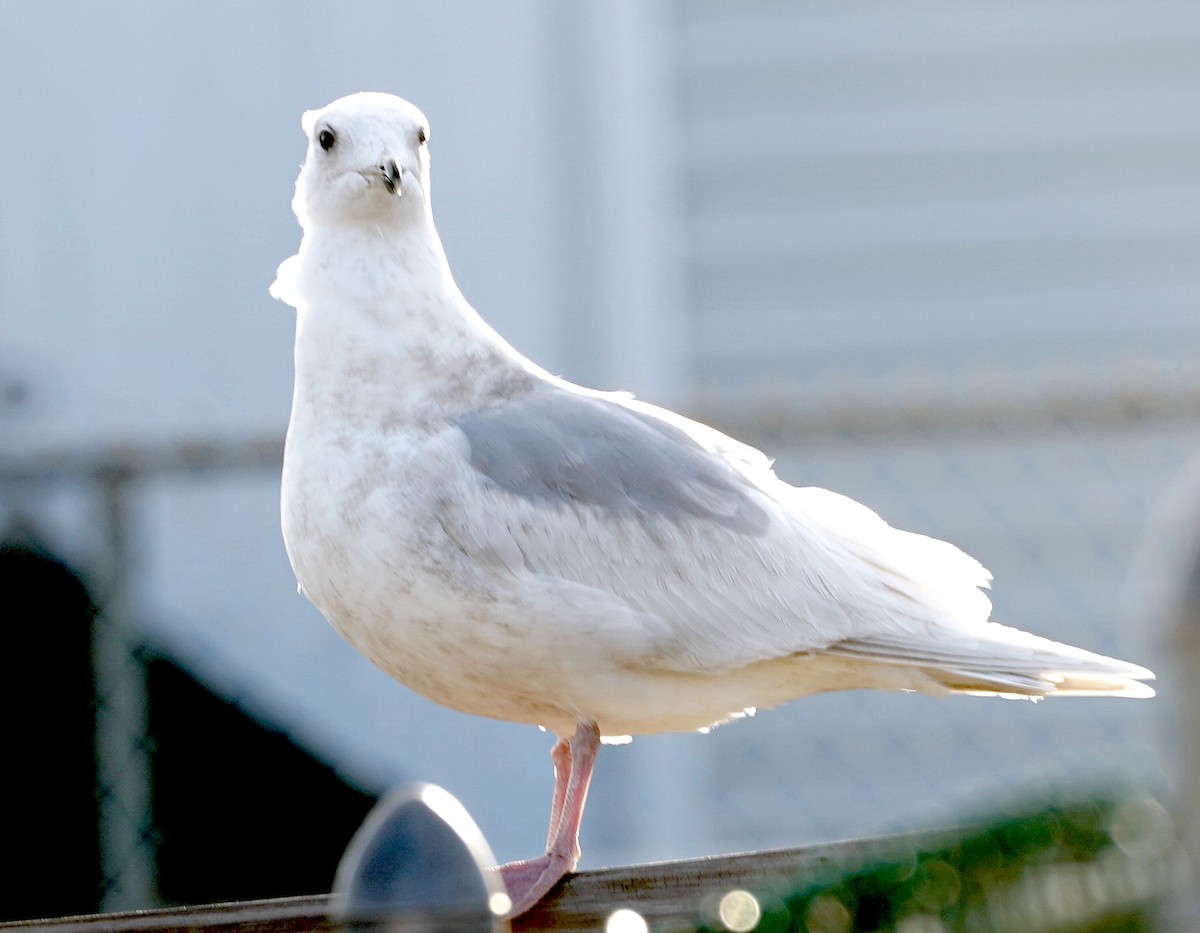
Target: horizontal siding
(717, 30)
(869, 190)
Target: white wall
(147, 183)
(877, 193)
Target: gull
(514, 546)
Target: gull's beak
(388, 172)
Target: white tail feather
(997, 660)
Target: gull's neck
(382, 325)
(375, 264)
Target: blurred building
(943, 259)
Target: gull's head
(367, 162)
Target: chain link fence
(1060, 497)
(1056, 496)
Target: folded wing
(724, 564)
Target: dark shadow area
(240, 811)
(48, 806)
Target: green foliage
(1080, 867)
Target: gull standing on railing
(514, 546)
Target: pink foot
(529, 881)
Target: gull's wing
(726, 564)
(719, 564)
(565, 450)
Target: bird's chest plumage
(362, 521)
(352, 547)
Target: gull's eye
(422, 137)
(327, 139)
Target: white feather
(547, 589)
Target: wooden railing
(668, 895)
(1017, 875)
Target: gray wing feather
(724, 564)
(562, 448)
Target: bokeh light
(626, 921)
(827, 914)
(500, 903)
(739, 911)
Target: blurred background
(942, 257)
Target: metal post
(123, 766)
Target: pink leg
(529, 881)
(561, 756)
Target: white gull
(514, 546)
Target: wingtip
(1127, 684)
